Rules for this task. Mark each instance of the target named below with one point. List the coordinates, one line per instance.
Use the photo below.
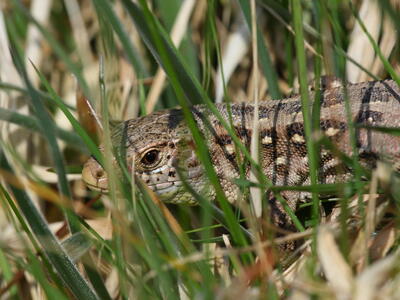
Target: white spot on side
(334, 162)
(371, 121)
(281, 160)
(331, 131)
(266, 140)
(324, 153)
(297, 138)
(230, 149)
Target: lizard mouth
(168, 187)
(96, 188)
(166, 191)
(171, 191)
(174, 192)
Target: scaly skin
(159, 143)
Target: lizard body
(157, 144)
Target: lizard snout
(94, 175)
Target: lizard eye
(150, 157)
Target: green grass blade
(35, 267)
(92, 147)
(164, 52)
(264, 57)
(104, 7)
(302, 69)
(48, 130)
(392, 12)
(54, 251)
(44, 96)
(193, 91)
(58, 49)
(377, 49)
(76, 245)
(7, 273)
(31, 123)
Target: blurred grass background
(59, 240)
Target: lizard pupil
(150, 157)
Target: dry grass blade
(369, 283)
(9, 74)
(40, 10)
(299, 281)
(177, 33)
(371, 206)
(383, 241)
(87, 116)
(387, 44)
(79, 31)
(360, 48)
(255, 192)
(223, 267)
(360, 250)
(44, 192)
(289, 28)
(102, 226)
(336, 269)
(235, 50)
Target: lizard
(159, 144)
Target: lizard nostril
(99, 174)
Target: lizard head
(155, 148)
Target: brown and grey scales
(159, 143)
